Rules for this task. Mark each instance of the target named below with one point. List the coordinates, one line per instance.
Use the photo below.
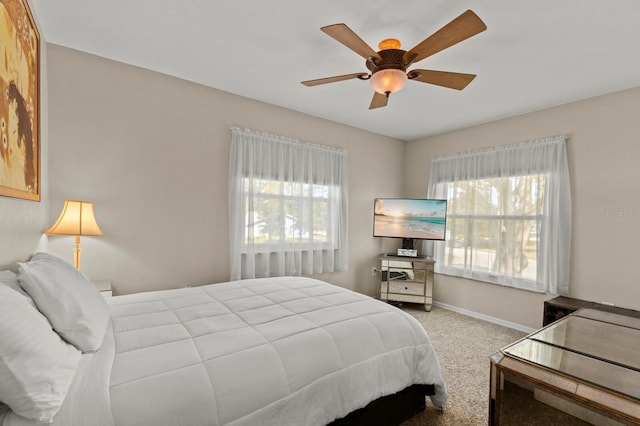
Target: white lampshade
(388, 80)
(76, 219)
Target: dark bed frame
(390, 410)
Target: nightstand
(104, 287)
(406, 279)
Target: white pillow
(74, 307)
(10, 278)
(36, 365)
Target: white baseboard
(487, 318)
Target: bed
(271, 351)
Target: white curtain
(288, 211)
(514, 197)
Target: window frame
(331, 201)
(545, 156)
(469, 268)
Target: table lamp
(76, 219)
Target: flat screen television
(410, 219)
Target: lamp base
(77, 251)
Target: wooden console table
(586, 364)
(561, 306)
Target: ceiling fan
(389, 65)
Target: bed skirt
(390, 410)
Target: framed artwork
(19, 101)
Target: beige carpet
(463, 345)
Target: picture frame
(19, 101)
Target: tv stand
(406, 279)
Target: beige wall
(22, 221)
(152, 152)
(604, 153)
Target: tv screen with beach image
(410, 218)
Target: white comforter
(274, 351)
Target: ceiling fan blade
(316, 82)
(452, 80)
(346, 36)
(461, 28)
(379, 100)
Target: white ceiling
(534, 54)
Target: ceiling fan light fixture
(388, 80)
(389, 43)
(388, 66)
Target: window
(493, 225)
(508, 215)
(288, 206)
(288, 212)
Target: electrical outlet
(373, 271)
